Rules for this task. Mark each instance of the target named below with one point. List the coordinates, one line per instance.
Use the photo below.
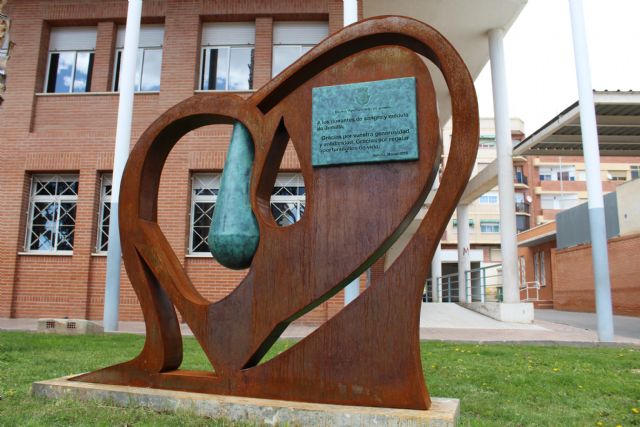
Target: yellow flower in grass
(556, 369)
(599, 423)
(635, 410)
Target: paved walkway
(625, 326)
(450, 322)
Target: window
(489, 199)
(70, 59)
(227, 56)
(542, 273)
(558, 173)
(490, 226)
(522, 272)
(52, 213)
(104, 214)
(149, 62)
(487, 141)
(560, 201)
(287, 204)
(288, 199)
(635, 171)
(291, 40)
(617, 175)
(204, 192)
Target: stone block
(443, 412)
(69, 326)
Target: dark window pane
(219, 63)
(116, 79)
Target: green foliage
(499, 385)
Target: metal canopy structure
(465, 23)
(618, 120)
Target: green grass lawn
(499, 385)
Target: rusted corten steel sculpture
(368, 353)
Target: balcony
(520, 181)
(522, 207)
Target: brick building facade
(58, 133)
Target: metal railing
(519, 178)
(522, 207)
(446, 290)
(484, 284)
(530, 286)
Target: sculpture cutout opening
(377, 167)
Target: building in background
(59, 123)
(558, 182)
(484, 212)
(555, 257)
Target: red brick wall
(573, 288)
(47, 133)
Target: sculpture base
(443, 412)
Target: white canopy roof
(465, 23)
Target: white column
(600, 256)
(464, 250)
(436, 274)
(508, 240)
(350, 15)
(123, 138)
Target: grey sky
(540, 65)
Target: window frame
(106, 179)
(57, 200)
(47, 75)
(484, 199)
(216, 177)
(301, 52)
(300, 200)
(229, 47)
(117, 60)
(494, 223)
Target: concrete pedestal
(443, 412)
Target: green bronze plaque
(364, 122)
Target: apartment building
(558, 182)
(59, 121)
(484, 212)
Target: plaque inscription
(364, 122)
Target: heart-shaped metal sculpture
(368, 353)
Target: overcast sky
(540, 63)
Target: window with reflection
(70, 60)
(204, 192)
(149, 60)
(287, 205)
(288, 199)
(227, 56)
(293, 39)
(52, 213)
(104, 213)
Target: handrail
(526, 287)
